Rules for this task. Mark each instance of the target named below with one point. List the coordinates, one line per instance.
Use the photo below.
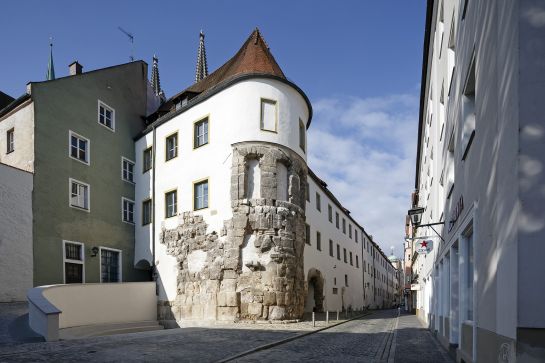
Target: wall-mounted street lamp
(416, 218)
(94, 251)
(416, 215)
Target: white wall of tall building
(490, 177)
(334, 269)
(21, 120)
(16, 259)
(234, 116)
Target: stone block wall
(252, 268)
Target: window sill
(80, 208)
(112, 129)
(88, 163)
(195, 147)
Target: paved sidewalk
(415, 343)
(14, 327)
(191, 344)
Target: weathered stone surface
(277, 312)
(212, 281)
(255, 309)
(227, 313)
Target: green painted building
(75, 134)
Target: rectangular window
(331, 248)
(171, 201)
(307, 234)
(330, 213)
(351, 262)
(357, 261)
(200, 136)
(128, 210)
(106, 116)
(302, 135)
(344, 226)
(344, 255)
(147, 159)
(200, 192)
(338, 252)
(469, 272)
(110, 265)
(10, 138)
(146, 212)
(127, 170)
(308, 192)
(318, 241)
(349, 231)
(171, 146)
(335, 291)
(79, 194)
(468, 110)
(269, 115)
(73, 259)
(356, 235)
(337, 219)
(318, 202)
(346, 280)
(79, 147)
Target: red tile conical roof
(253, 57)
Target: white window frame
(195, 196)
(72, 180)
(175, 191)
(65, 260)
(10, 140)
(196, 135)
(174, 150)
(302, 136)
(144, 170)
(123, 200)
(100, 103)
(262, 125)
(120, 263)
(87, 151)
(123, 160)
(151, 212)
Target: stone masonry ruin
(252, 268)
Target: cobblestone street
(368, 339)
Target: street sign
(424, 246)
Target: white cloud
(365, 149)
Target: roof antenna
(131, 39)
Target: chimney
(75, 68)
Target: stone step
(86, 331)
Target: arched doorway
(315, 291)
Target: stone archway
(315, 291)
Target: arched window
(281, 182)
(253, 179)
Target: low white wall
(92, 304)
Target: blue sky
(358, 61)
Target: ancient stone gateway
(315, 291)
(253, 267)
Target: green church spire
(50, 67)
